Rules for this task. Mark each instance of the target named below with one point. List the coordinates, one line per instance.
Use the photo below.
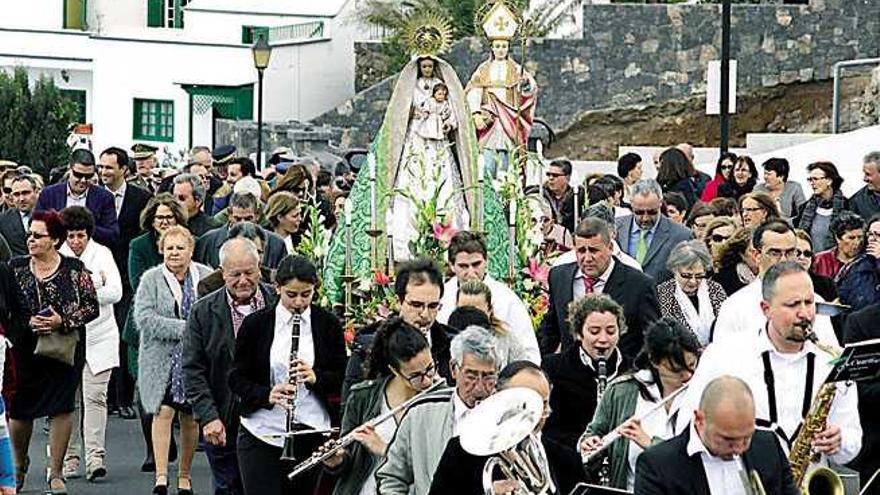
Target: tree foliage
(34, 121)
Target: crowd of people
(180, 298)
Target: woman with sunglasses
(717, 233)
(822, 285)
(53, 294)
(665, 363)
(735, 263)
(723, 172)
(398, 366)
(690, 296)
(742, 179)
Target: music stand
(858, 362)
(588, 489)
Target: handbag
(56, 344)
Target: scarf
(838, 204)
(184, 296)
(700, 323)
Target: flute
(614, 434)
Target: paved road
(125, 453)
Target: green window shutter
(75, 12)
(250, 34)
(153, 120)
(155, 10)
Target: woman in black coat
(261, 373)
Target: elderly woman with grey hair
(690, 296)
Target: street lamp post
(725, 76)
(261, 52)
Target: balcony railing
(297, 32)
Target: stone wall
(634, 55)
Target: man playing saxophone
(786, 372)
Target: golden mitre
(427, 33)
(500, 22)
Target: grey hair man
(866, 202)
(190, 191)
(414, 453)
(207, 354)
(646, 235)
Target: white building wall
(121, 76)
(226, 28)
(33, 14)
(105, 15)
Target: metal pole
(260, 120)
(725, 75)
(837, 71)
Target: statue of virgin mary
(424, 160)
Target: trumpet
(335, 446)
(613, 435)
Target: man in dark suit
(866, 201)
(461, 473)
(646, 235)
(15, 221)
(862, 325)
(243, 207)
(208, 351)
(597, 271)
(705, 458)
(419, 290)
(190, 191)
(128, 201)
(79, 190)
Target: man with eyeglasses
(740, 315)
(460, 472)
(559, 194)
(15, 221)
(419, 290)
(646, 235)
(79, 190)
(427, 427)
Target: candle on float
(348, 211)
(372, 167)
(513, 211)
(481, 167)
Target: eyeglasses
(164, 218)
(421, 306)
(727, 167)
(554, 175)
(473, 376)
(692, 276)
(418, 376)
(81, 176)
(778, 253)
(718, 238)
(7, 190)
(751, 210)
(806, 253)
(814, 179)
(641, 213)
(37, 235)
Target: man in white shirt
(468, 257)
(709, 457)
(415, 451)
(741, 313)
(784, 369)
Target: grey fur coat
(155, 315)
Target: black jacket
(133, 203)
(865, 203)
(441, 336)
(630, 288)
(251, 379)
(573, 395)
(862, 325)
(201, 223)
(461, 473)
(667, 469)
(13, 231)
(208, 352)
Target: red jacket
(827, 264)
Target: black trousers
(264, 473)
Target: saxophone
(822, 479)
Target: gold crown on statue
(499, 22)
(427, 33)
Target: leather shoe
(127, 412)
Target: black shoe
(127, 412)
(149, 465)
(160, 490)
(99, 472)
(112, 410)
(184, 491)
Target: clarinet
(287, 452)
(604, 472)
